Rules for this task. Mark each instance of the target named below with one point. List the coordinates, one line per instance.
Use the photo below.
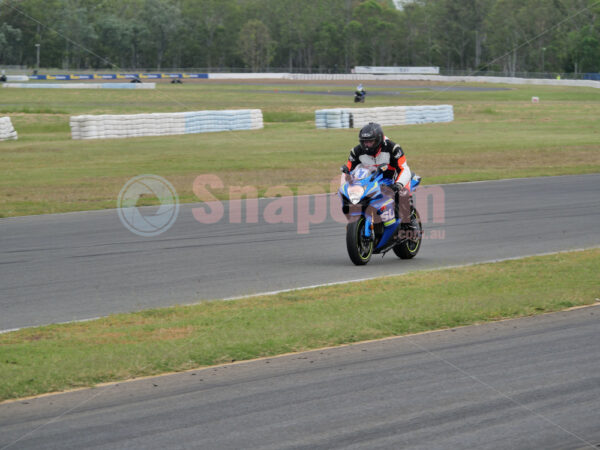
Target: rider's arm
(402, 169)
(353, 160)
(404, 176)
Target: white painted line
(435, 269)
(56, 323)
(335, 283)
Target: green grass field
(496, 134)
(58, 357)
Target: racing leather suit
(397, 169)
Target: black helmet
(370, 138)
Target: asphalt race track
(525, 383)
(75, 266)
(521, 384)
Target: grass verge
(53, 358)
(495, 134)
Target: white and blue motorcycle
(373, 228)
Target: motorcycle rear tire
(408, 248)
(359, 249)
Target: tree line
(302, 35)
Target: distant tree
(10, 39)
(115, 41)
(352, 33)
(514, 35)
(505, 34)
(460, 29)
(418, 43)
(210, 32)
(255, 45)
(376, 26)
(163, 20)
(583, 51)
(78, 34)
(578, 45)
(329, 45)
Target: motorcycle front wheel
(359, 248)
(409, 248)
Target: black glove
(399, 187)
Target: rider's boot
(405, 214)
(403, 210)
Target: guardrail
(7, 131)
(392, 115)
(160, 124)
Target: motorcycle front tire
(360, 249)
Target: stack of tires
(7, 131)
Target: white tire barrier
(391, 115)
(81, 85)
(7, 130)
(161, 124)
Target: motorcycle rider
(360, 91)
(375, 149)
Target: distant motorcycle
(359, 96)
(368, 204)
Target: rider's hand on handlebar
(399, 187)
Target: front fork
(369, 227)
(368, 232)
(388, 232)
